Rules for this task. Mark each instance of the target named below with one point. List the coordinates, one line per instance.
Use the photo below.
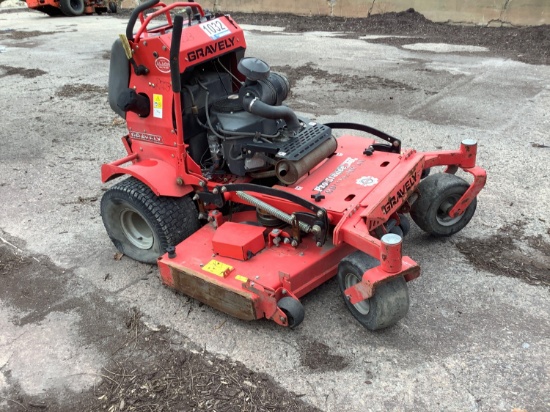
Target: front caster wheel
(438, 194)
(388, 305)
(141, 224)
(293, 310)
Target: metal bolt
(224, 189)
(202, 183)
(316, 229)
(276, 231)
(320, 214)
(196, 197)
(257, 277)
(145, 43)
(319, 244)
(294, 243)
(202, 216)
(287, 241)
(179, 181)
(282, 319)
(284, 292)
(164, 48)
(215, 191)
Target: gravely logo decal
(163, 64)
(401, 193)
(153, 138)
(211, 49)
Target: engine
(249, 132)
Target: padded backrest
(119, 76)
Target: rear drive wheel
(72, 7)
(388, 305)
(438, 194)
(141, 224)
(293, 310)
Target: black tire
(388, 305)
(141, 224)
(113, 7)
(50, 10)
(405, 224)
(72, 8)
(293, 310)
(438, 194)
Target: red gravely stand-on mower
(288, 205)
(72, 8)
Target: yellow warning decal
(241, 278)
(217, 268)
(157, 105)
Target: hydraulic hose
(255, 106)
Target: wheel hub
(445, 207)
(362, 307)
(136, 229)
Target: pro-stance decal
(345, 165)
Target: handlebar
(134, 16)
(164, 10)
(175, 54)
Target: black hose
(255, 106)
(134, 16)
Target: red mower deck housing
(287, 206)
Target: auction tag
(215, 29)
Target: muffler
(289, 172)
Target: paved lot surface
(477, 334)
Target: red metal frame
(244, 275)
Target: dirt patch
(20, 35)
(347, 82)
(317, 357)
(148, 367)
(511, 253)
(526, 44)
(81, 90)
(166, 379)
(21, 71)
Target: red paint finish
(233, 263)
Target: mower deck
(243, 268)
